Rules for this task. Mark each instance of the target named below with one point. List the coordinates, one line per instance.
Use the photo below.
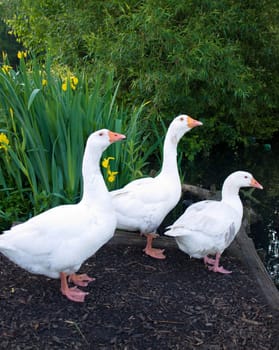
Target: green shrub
(217, 60)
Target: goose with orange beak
(208, 227)
(143, 204)
(56, 243)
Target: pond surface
(262, 161)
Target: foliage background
(215, 60)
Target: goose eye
(245, 177)
(181, 118)
(100, 134)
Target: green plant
(47, 118)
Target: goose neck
(94, 187)
(170, 155)
(230, 195)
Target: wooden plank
(134, 238)
(243, 248)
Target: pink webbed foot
(80, 280)
(153, 252)
(216, 267)
(73, 294)
(219, 269)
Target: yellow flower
(74, 80)
(21, 54)
(105, 162)
(6, 68)
(112, 175)
(4, 141)
(73, 87)
(64, 86)
(44, 82)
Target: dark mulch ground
(138, 303)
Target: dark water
(262, 161)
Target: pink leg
(74, 293)
(216, 267)
(80, 280)
(154, 253)
(208, 260)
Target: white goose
(143, 203)
(55, 243)
(208, 227)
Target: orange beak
(114, 136)
(255, 183)
(193, 122)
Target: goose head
(103, 138)
(96, 144)
(180, 125)
(240, 179)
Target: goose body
(208, 227)
(142, 204)
(56, 242)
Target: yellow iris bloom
(73, 83)
(105, 162)
(74, 80)
(4, 141)
(21, 54)
(112, 175)
(64, 86)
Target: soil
(138, 303)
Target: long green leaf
(32, 96)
